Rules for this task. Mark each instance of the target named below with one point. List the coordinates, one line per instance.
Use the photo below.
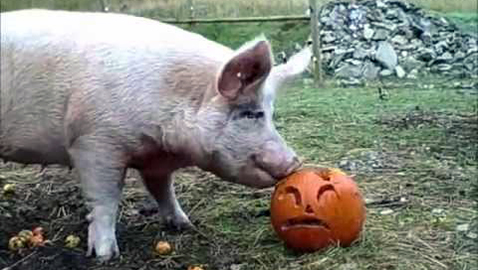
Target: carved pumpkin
(314, 208)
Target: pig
(105, 92)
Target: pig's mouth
(305, 222)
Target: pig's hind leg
(102, 178)
(159, 183)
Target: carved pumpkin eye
(324, 189)
(296, 193)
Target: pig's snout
(277, 160)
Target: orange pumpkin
(314, 208)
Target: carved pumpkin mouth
(305, 222)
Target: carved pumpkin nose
(308, 209)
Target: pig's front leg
(102, 175)
(160, 184)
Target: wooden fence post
(314, 24)
(191, 11)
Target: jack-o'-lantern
(316, 207)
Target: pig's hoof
(104, 247)
(178, 222)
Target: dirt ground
(413, 154)
(52, 199)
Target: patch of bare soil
(53, 200)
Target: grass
(415, 154)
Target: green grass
(283, 36)
(428, 141)
(424, 169)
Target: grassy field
(413, 154)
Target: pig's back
(48, 56)
(38, 27)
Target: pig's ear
(245, 70)
(297, 64)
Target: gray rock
(351, 82)
(410, 63)
(389, 26)
(386, 73)
(381, 4)
(441, 67)
(360, 53)
(386, 55)
(426, 54)
(459, 56)
(377, 34)
(441, 47)
(399, 40)
(368, 33)
(446, 57)
(413, 74)
(329, 37)
(400, 72)
(380, 34)
(354, 62)
(370, 70)
(348, 71)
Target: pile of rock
(380, 38)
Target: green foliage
(283, 36)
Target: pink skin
(152, 97)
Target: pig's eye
(251, 114)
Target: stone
(446, 57)
(381, 4)
(348, 71)
(360, 53)
(328, 38)
(386, 212)
(386, 73)
(386, 55)
(400, 72)
(426, 54)
(459, 56)
(354, 62)
(354, 82)
(410, 63)
(368, 33)
(413, 74)
(385, 25)
(399, 40)
(380, 34)
(370, 70)
(463, 227)
(443, 67)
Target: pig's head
(239, 140)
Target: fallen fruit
(195, 268)
(72, 241)
(36, 241)
(163, 248)
(25, 235)
(15, 243)
(9, 189)
(38, 231)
